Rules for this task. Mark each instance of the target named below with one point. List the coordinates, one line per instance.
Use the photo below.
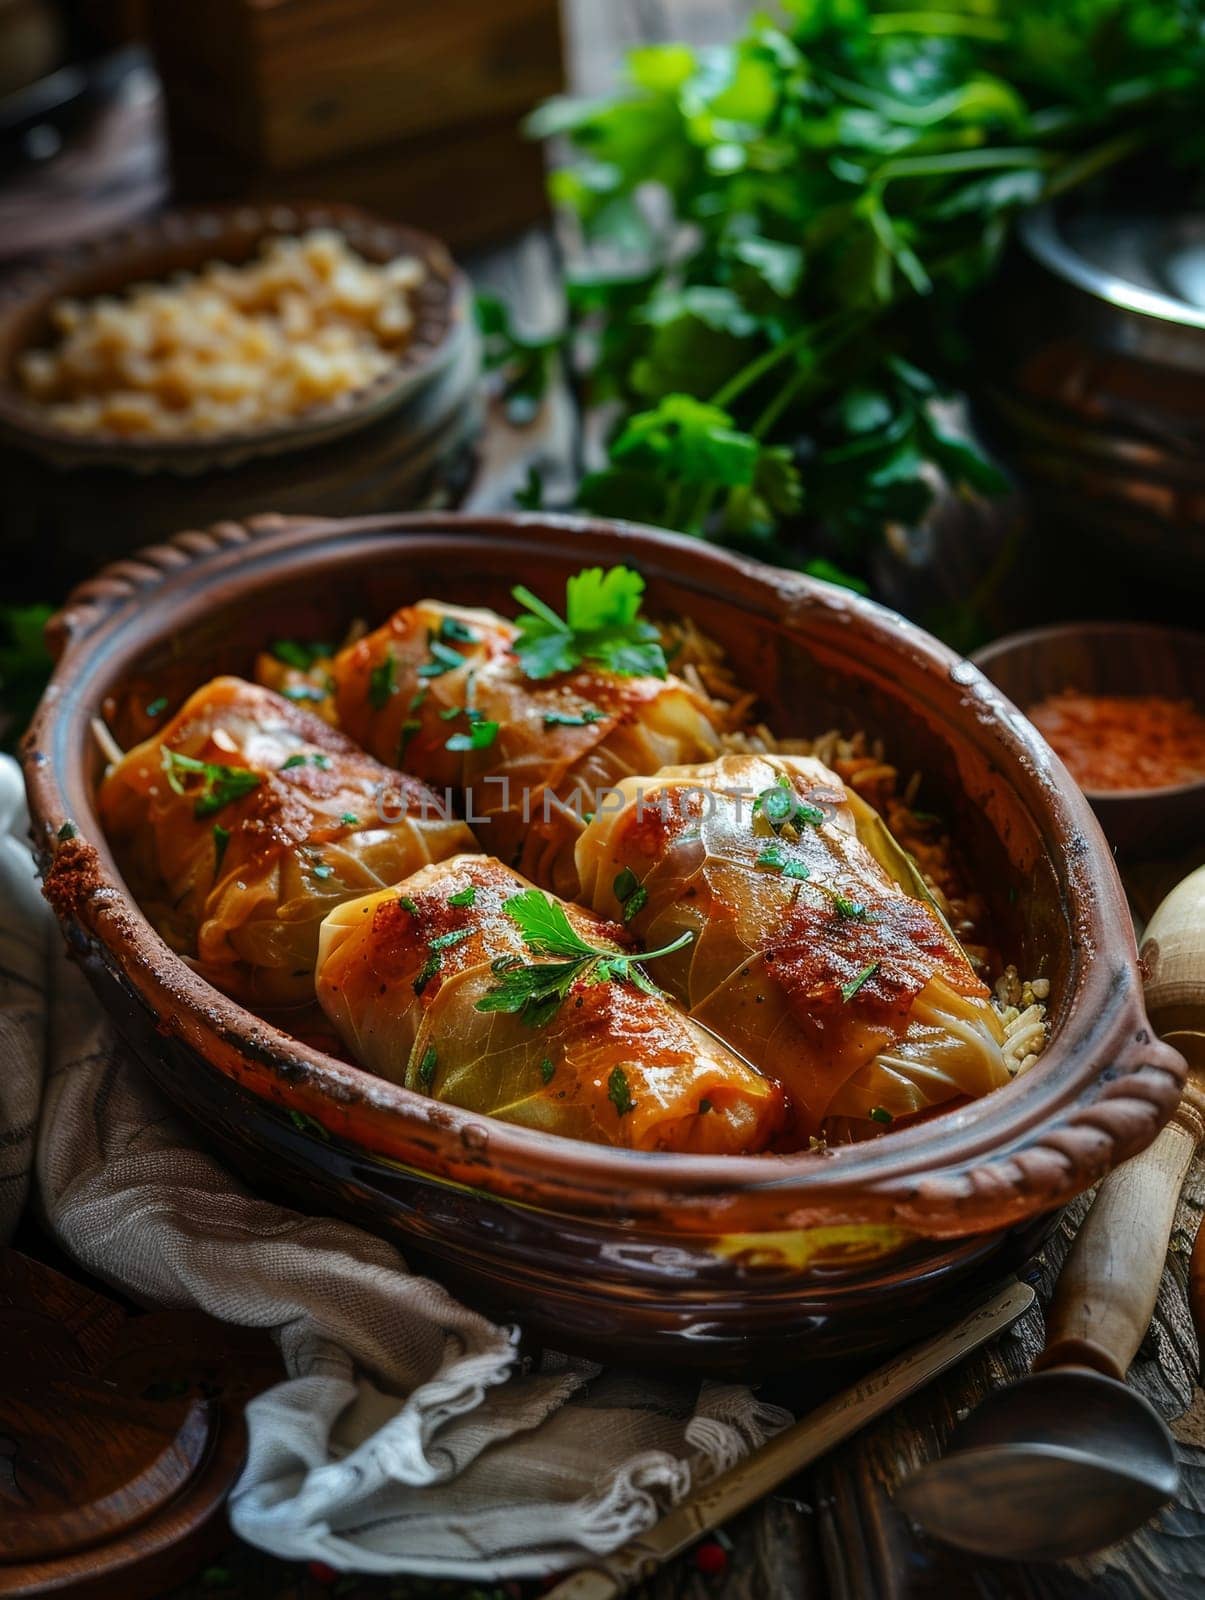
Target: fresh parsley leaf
(535, 990)
(443, 659)
(410, 727)
(774, 858)
(427, 1066)
(299, 654)
(219, 786)
(407, 904)
(848, 990)
(445, 941)
(221, 838)
(546, 1070)
(879, 1114)
(463, 897)
(293, 761)
(349, 819)
(322, 869)
(428, 970)
(382, 683)
(157, 707)
(480, 736)
(564, 719)
(626, 883)
(635, 903)
(453, 631)
(601, 625)
(618, 1092)
(781, 807)
(67, 831)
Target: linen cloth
(408, 1436)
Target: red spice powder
(1124, 741)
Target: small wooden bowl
(1114, 658)
(75, 500)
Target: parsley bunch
(776, 330)
(535, 990)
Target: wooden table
(834, 1532)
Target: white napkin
(408, 1437)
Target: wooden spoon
(1069, 1459)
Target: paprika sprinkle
(1112, 742)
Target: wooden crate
(411, 106)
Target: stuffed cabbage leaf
(245, 819)
(838, 979)
(437, 984)
(438, 691)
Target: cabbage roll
(818, 952)
(245, 819)
(439, 692)
(467, 984)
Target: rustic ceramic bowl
(183, 241)
(1123, 658)
(72, 501)
(721, 1262)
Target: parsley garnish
(775, 858)
(480, 736)
(322, 869)
(349, 819)
(68, 831)
(879, 1114)
(295, 653)
(221, 838)
(601, 624)
(443, 659)
(463, 897)
(304, 691)
(427, 1066)
(781, 807)
(535, 990)
(219, 785)
(436, 947)
(630, 892)
(409, 728)
(453, 629)
(382, 682)
(317, 759)
(853, 909)
(546, 1070)
(618, 1092)
(428, 970)
(562, 719)
(848, 990)
(407, 904)
(157, 707)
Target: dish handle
(120, 582)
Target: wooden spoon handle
(1107, 1290)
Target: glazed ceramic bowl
(724, 1262)
(74, 500)
(1115, 658)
